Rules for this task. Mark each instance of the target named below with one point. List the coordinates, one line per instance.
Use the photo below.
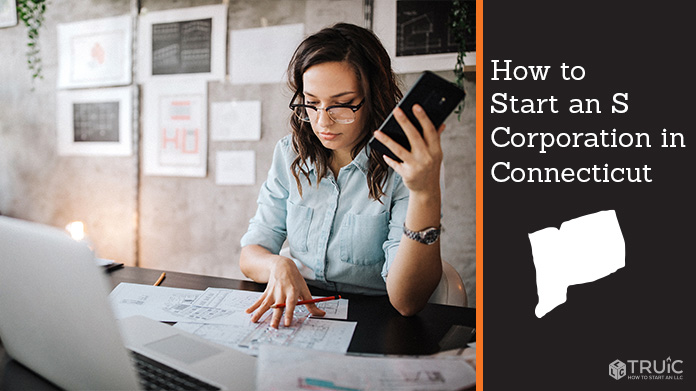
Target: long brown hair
(362, 50)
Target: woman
(348, 214)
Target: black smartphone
(437, 96)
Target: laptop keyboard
(157, 376)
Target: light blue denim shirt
(346, 238)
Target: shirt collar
(361, 161)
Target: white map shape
(583, 250)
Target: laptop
(56, 319)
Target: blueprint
(157, 302)
(304, 332)
(239, 300)
(214, 305)
(219, 315)
(294, 369)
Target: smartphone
(437, 96)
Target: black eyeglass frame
(294, 106)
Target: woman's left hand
(420, 167)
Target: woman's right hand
(285, 285)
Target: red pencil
(282, 305)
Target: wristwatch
(428, 236)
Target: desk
(380, 329)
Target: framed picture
(8, 13)
(175, 141)
(183, 42)
(416, 34)
(95, 53)
(95, 122)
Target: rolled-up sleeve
(399, 206)
(268, 226)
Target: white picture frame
(168, 49)
(95, 122)
(175, 128)
(95, 53)
(8, 13)
(385, 25)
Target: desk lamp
(76, 229)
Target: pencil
(282, 305)
(160, 279)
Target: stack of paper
(219, 315)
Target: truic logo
(664, 370)
(617, 369)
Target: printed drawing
(96, 121)
(422, 28)
(181, 47)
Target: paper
(219, 315)
(160, 303)
(235, 121)
(261, 55)
(299, 369)
(235, 168)
(304, 332)
(239, 300)
(175, 127)
(95, 122)
(237, 330)
(183, 42)
(95, 52)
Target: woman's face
(329, 84)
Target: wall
(173, 223)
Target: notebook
(57, 321)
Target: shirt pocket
(362, 237)
(298, 222)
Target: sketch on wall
(235, 168)
(175, 129)
(8, 13)
(95, 53)
(261, 55)
(235, 121)
(422, 28)
(181, 47)
(416, 34)
(95, 122)
(183, 42)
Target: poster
(175, 141)
(414, 34)
(95, 53)
(96, 122)
(183, 42)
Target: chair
(450, 291)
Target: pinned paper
(235, 121)
(235, 168)
(261, 55)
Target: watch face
(427, 236)
(430, 236)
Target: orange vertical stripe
(479, 194)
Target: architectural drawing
(421, 28)
(219, 315)
(294, 369)
(181, 47)
(96, 121)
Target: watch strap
(427, 236)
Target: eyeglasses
(341, 114)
